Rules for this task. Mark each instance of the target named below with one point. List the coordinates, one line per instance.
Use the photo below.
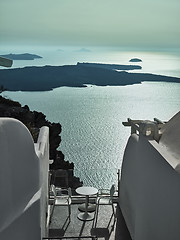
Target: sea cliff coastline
(34, 121)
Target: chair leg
(113, 210)
(51, 213)
(69, 210)
(94, 218)
(112, 215)
(96, 215)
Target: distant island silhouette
(23, 56)
(135, 60)
(48, 77)
(110, 66)
(83, 50)
(60, 50)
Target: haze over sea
(93, 136)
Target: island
(49, 77)
(135, 60)
(23, 56)
(84, 50)
(110, 66)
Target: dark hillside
(34, 121)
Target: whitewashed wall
(21, 178)
(150, 186)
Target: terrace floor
(61, 226)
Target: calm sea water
(93, 136)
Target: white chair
(104, 197)
(60, 197)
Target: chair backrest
(112, 190)
(58, 192)
(61, 178)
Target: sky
(116, 23)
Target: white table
(86, 191)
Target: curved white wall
(149, 191)
(22, 214)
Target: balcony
(28, 215)
(63, 227)
(60, 225)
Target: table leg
(86, 216)
(86, 206)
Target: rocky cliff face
(34, 121)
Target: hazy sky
(139, 23)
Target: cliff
(34, 121)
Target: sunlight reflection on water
(93, 136)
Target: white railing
(42, 151)
(146, 127)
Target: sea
(93, 136)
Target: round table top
(86, 190)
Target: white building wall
(150, 191)
(21, 183)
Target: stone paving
(61, 225)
